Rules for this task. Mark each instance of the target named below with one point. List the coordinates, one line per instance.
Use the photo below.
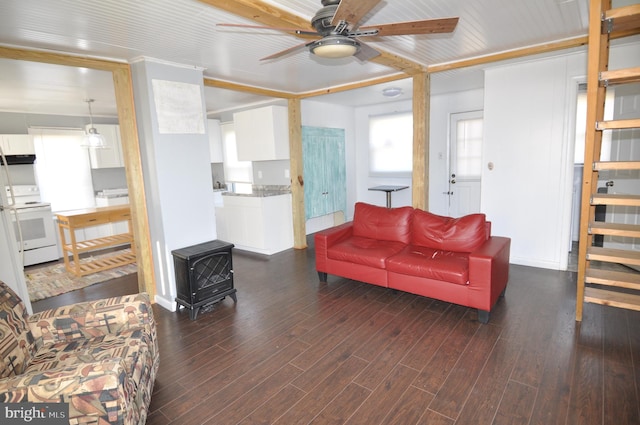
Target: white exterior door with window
(465, 160)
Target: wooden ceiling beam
(223, 84)
(268, 14)
(510, 54)
(397, 62)
(60, 59)
(261, 12)
(352, 86)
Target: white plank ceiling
(185, 32)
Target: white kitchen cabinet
(262, 134)
(17, 144)
(258, 224)
(111, 156)
(215, 141)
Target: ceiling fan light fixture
(335, 46)
(93, 139)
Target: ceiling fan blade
(366, 52)
(286, 51)
(296, 31)
(428, 26)
(352, 11)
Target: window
(63, 170)
(468, 148)
(391, 144)
(239, 174)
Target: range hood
(19, 159)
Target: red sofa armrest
(489, 268)
(328, 237)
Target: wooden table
(70, 221)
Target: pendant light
(93, 139)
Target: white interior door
(624, 147)
(465, 161)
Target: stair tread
(614, 229)
(612, 298)
(612, 255)
(620, 76)
(623, 18)
(616, 165)
(616, 278)
(618, 124)
(614, 23)
(615, 199)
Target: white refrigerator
(11, 269)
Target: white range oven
(34, 226)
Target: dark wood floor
(294, 351)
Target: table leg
(388, 199)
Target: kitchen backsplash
(108, 178)
(217, 173)
(271, 173)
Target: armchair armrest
(94, 318)
(489, 266)
(96, 389)
(328, 237)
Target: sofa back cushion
(384, 224)
(463, 234)
(16, 340)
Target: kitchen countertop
(261, 191)
(112, 193)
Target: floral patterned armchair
(100, 357)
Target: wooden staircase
(599, 282)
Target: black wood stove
(204, 275)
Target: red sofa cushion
(463, 234)
(383, 224)
(447, 266)
(365, 251)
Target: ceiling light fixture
(335, 46)
(392, 92)
(93, 139)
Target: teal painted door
(324, 168)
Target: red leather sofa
(450, 259)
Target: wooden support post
(420, 176)
(296, 172)
(141, 245)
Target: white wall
(177, 177)
(529, 126)
(526, 140)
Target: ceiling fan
(337, 33)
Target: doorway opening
(578, 165)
